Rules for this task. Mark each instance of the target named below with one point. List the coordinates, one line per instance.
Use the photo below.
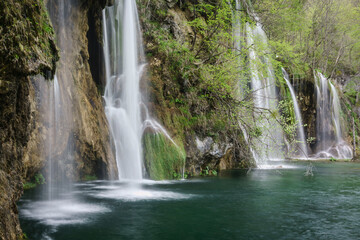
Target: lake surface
(258, 204)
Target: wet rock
(20, 57)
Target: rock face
(350, 103)
(305, 90)
(28, 55)
(27, 48)
(210, 153)
(85, 136)
(209, 142)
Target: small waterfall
(59, 153)
(238, 44)
(300, 129)
(123, 66)
(54, 117)
(329, 132)
(336, 113)
(270, 147)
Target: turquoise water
(260, 204)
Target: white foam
(277, 166)
(138, 194)
(61, 212)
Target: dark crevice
(95, 51)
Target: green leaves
(37, 180)
(313, 34)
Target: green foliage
(26, 38)
(178, 176)
(351, 91)
(208, 172)
(29, 185)
(89, 178)
(200, 78)
(313, 34)
(163, 159)
(289, 123)
(38, 179)
(24, 236)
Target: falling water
(329, 133)
(59, 151)
(264, 94)
(122, 94)
(54, 114)
(300, 129)
(336, 112)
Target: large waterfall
(300, 134)
(270, 146)
(123, 66)
(329, 132)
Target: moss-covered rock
(27, 44)
(163, 159)
(27, 48)
(191, 86)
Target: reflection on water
(279, 203)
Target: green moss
(29, 185)
(38, 179)
(89, 178)
(162, 157)
(27, 44)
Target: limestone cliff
(197, 114)
(27, 48)
(84, 136)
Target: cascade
(123, 67)
(237, 36)
(127, 115)
(264, 95)
(303, 150)
(329, 132)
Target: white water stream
(270, 146)
(122, 44)
(301, 139)
(330, 141)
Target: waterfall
(54, 117)
(123, 66)
(329, 132)
(270, 146)
(300, 129)
(59, 151)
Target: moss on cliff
(163, 159)
(26, 39)
(27, 48)
(194, 75)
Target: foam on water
(277, 166)
(61, 212)
(138, 194)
